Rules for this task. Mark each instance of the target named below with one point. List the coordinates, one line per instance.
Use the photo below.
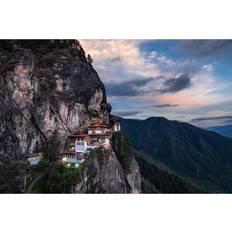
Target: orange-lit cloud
(126, 52)
(121, 65)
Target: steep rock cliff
(105, 174)
(47, 90)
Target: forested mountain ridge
(157, 178)
(201, 156)
(225, 130)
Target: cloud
(229, 121)
(154, 56)
(166, 105)
(162, 106)
(212, 121)
(135, 78)
(174, 85)
(128, 88)
(211, 118)
(125, 113)
(119, 60)
(206, 48)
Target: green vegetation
(123, 149)
(41, 167)
(147, 187)
(48, 85)
(51, 150)
(89, 158)
(156, 178)
(198, 155)
(100, 155)
(61, 178)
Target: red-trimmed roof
(99, 135)
(79, 136)
(99, 126)
(72, 153)
(69, 153)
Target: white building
(72, 160)
(72, 157)
(83, 140)
(34, 159)
(95, 132)
(107, 141)
(81, 146)
(116, 126)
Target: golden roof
(97, 120)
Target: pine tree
(89, 59)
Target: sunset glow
(177, 79)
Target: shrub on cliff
(60, 178)
(48, 85)
(89, 59)
(51, 150)
(122, 147)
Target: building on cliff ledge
(116, 125)
(97, 135)
(72, 157)
(34, 158)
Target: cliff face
(47, 90)
(106, 175)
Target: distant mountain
(225, 130)
(156, 178)
(201, 156)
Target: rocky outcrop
(106, 175)
(12, 173)
(47, 90)
(133, 178)
(103, 175)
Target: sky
(184, 80)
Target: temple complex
(97, 135)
